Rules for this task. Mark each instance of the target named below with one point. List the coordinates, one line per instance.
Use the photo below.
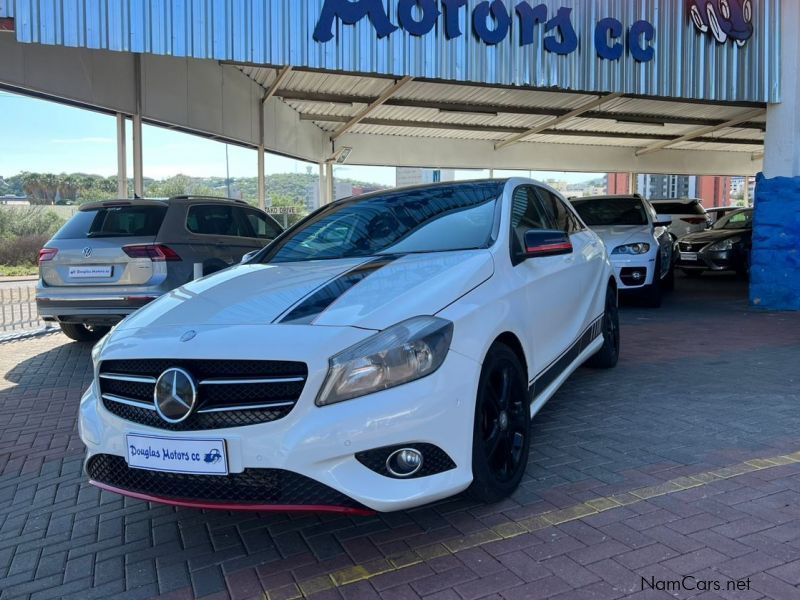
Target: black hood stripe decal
(313, 305)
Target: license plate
(691, 256)
(198, 456)
(89, 272)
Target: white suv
(388, 351)
(638, 241)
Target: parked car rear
(113, 257)
(688, 215)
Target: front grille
(252, 486)
(688, 247)
(231, 393)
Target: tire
(500, 444)
(668, 283)
(83, 333)
(608, 355)
(651, 295)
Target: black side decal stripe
(551, 373)
(318, 301)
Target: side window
(212, 219)
(263, 227)
(562, 217)
(526, 213)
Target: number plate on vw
(690, 256)
(177, 455)
(89, 272)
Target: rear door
(90, 247)
(220, 234)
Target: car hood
(616, 235)
(714, 235)
(325, 293)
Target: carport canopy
(379, 120)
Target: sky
(43, 136)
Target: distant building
(341, 189)
(711, 190)
(416, 176)
(738, 187)
(12, 200)
(618, 183)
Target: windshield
(679, 208)
(611, 211)
(432, 219)
(114, 221)
(742, 219)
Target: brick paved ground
(703, 384)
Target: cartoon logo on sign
(213, 457)
(724, 19)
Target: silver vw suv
(113, 257)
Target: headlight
(724, 245)
(640, 248)
(404, 352)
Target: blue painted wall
(775, 264)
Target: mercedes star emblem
(175, 395)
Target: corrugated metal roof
(686, 64)
(305, 89)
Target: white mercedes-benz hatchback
(387, 351)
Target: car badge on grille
(189, 335)
(87, 252)
(175, 395)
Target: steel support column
(122, 158)
(323, 186)
(330, 194)
(138, 174)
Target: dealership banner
(723, 50)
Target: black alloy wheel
(501, 435)
(608, 355)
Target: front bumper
(728, 260)
(626, 266)
(319, 444)
(96, 307)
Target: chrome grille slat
(252, 381)
(128, 402)
(126, 377)
(246, 407)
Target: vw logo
(175, 395)
(87, 252)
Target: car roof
(677, 200)
(607, 197)
(156, 201)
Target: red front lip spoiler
(364, 512)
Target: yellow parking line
(511, 529)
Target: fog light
(637, 275)
(404, 462)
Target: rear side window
(679, 208)
(214, 219)
(114, 221)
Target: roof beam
(363, 113)
(493, 109)
(507, 129)
(746, 116)
(280, 77)
(550, 123)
